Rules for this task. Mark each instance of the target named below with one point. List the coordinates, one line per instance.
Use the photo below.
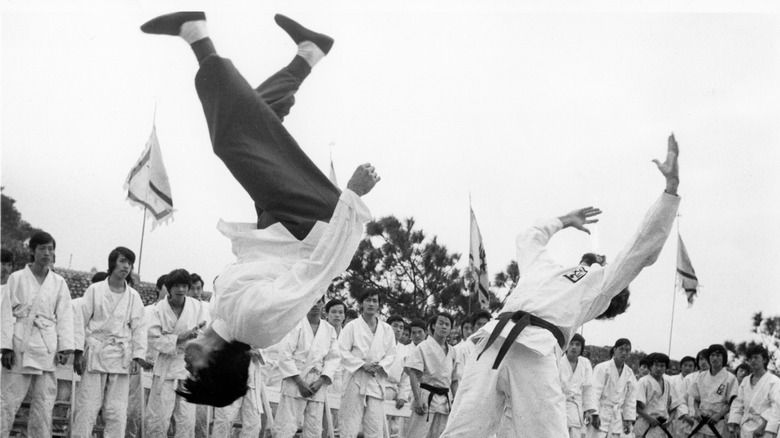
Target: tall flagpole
(674, 288)
(141, 249)
(470, 292)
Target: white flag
(478, 264)
(686, 276)
(147, 183)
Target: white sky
(534, 110)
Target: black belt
(662, 428)
(435, 390)
(521, 320)
(705, 420)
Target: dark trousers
(247, 134)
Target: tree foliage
(14, 231)
(768, 328)
(415, 273)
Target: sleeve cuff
(222, 329)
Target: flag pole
(674, 288)
(470, 289)
(141, 249)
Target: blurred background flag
(147, 183)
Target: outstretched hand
(363, 180)
(669, 168)
(579, 218)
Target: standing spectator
(397, 387)
(712, 392)
(754, 413)
(6, 265)
(418, 331)
(681, 422)
(613, 399)
(654, 398)
(576, 374)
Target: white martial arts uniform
(658, 398)
(564, 296)
(115, 335)
(712, 394)
(164, 329)
(679, 407)
(248, 408)
(576, 385)
(364, 393)
(613, 397)
(753, 403)
(309, 355)
(439, 369)
(37, 322)
(134, 407)
(276, 278)
(398, 388)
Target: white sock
(309, 52)
(193, 31)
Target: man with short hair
(712, 392)
(681, 422)
(307, 230)
(407, 336)
(434, 375)
(6, 265)
(655, 396)
(576, 374)
(36, 333)
(308, 358)
(549, 304)
(369, 348)
(418, 330)
(171, 325)
(114, 346)
(398, 384)
(613, 399)
(754, 413)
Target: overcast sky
(534, 110)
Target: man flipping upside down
(307, 230)
(549, 303)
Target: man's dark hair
(335, 302)
(224, 380)
(41, 238)
(761, 351)
(177, 277)
(6, 256)
(194, 278)
(744, 366)
(717, 349)
(480, 314)
(395, 318)
(351, 313)
(417, 322)
(463, 322)
(161, 281)
(617, 305)
(592, 258)
(99, 276)
(370, 292)
(688, 359)
(436, 318)
(654, 358)
(578, 338)
(703, 354)
(113, 256)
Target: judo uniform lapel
(108, 343)
(754, 402)
(576, 388)
(170, 362)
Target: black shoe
(300, 34)
(170, 24)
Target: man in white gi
(655, 396)
(712, 392)
(613, 395)
(113, 347)
(418, 330)
(249, 408)
(174, 321)
(308, 357)
(6, 265)
(576, 373)
(549, 304)
(368, 347)
(398, 384)
(434, 374)
(335, 312)
(754, 413)
(307, 230)
(36, 334)
(681, 421)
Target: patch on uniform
(577, 274)
(721, 389)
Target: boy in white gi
(37, 334)
(368, 347)
(576, 374)
(308, 357)
(114, 346)
(248, 409)
(549, 304)
(712, 392)
(654, 397)
(613, 398)
(398, 387)
(173, 323)
(307, 230)
(434, 375)
(681, 421)
(754, 413)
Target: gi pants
(106, 390)
(133, 428)
(161, 404)
(12, 392)
(250, 410)
(246, 131)
(357, 409)
(526, 384)
(292, 410)
(419, 427)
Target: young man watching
(712, 392)
(613, 399)
(397, 389)
(754, 412)
(36, 334)
(681, 422)
(576, 374)
(369, 348)
(654, 398)
(418, 331)
(6, 265)
(434, 376)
